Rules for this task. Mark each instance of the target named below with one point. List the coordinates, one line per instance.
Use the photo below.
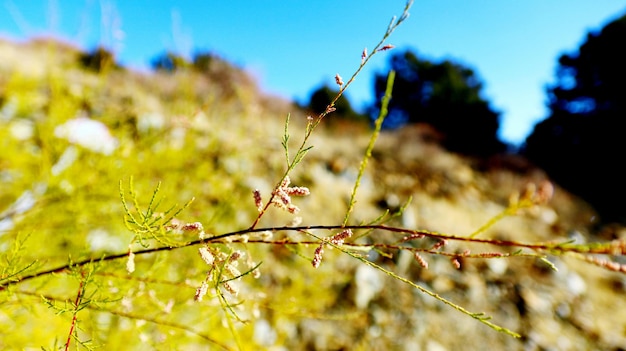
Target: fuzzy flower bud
(339, 238)
(491, 254)
(206, 255)
(456, 263)
(338, 80)
(201, 291)
(191, 227)
(257, 199)
(298, 191)
(317, 257)
(285, 182)
(420, 260)
(291, 208)
(236, 255)
(412, 237)
(439, 244)
(234, 272)
(231, 288)
(130, 264)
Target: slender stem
(77, 303)
(368, 152)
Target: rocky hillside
(69, 134)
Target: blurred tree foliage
(324, 95)
(581, 143)
(206, 61)
(214, 66)
(445, 95)
(99, 60)
(202, 61)
(169, 62)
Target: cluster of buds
(610, 265)
(317, 256)
(534, 195)
(491, 255)
(456, 259)
(181, 227)
(337, 239)
(175, 226)
(617, 247)
(539, 195)
(219, 261)
(364, 53)
(414, 236)
(282, 196)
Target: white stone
(369, 282)
(88, 133)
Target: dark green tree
(213, 66)
(98, 60)
(445, 95)
(581, 143)
(169, 62)
(203, 61)
(324, 95)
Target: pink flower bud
(386, 47)
(338, 79)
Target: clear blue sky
(293, 47)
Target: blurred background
(502, 67)
(293, 48)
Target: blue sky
(292, 47)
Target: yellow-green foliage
(198, 146)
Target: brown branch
(77, 303)
(611, 248)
